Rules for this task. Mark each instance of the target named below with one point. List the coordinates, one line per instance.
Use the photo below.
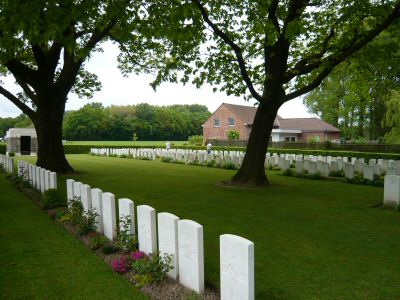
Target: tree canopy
(119, 123)
(44, 45)
(354, 96)
(270, 51)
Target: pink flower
(138, 255)
(121, 265)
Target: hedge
(85, 149)
(2, 148)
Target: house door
(25, 145)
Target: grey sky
(135, 89)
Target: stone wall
(14, 145)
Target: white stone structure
(70, 189)
(109, 219)
(126, 209)
(236, 268)
(21, 141)
(368, 172)
(191, 255)
(86, 198)
(147, 235)
(391, 195)
(97, 206)
(168, 240)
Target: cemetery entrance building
(21, 141)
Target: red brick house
(240, 118)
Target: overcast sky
(135, 89)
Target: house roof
(247, 114)
(307, 125)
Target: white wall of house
(280, 135)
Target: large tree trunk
(252, 171)
(48, 124)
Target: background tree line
(149, 123)
(94, 122)
(22, 121)
(361, 97)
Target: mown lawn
(40, 260)
(313, 239)
(126, 143)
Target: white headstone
(147, 236)
(70, 189)
(168, 239)
(86, 197)
(126, 209)
(97, 206)
(312, 167)
(77, 189)
(348, 170)
(38, 178)
(236, 268)
(42, 180)
(53, 180)
(299, 166)
(34, 176)
(46, 180)
(391, 195)
(368, 172)
(109, 220)
(191, 255)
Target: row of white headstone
(180, 239)
(40, 178)
(375, 166)
(324, 168)
(7, 163)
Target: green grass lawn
(313, 239)
(125, 143)
(40, 260)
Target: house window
(231, 121)
(216, 122)
(290, 139)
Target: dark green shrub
(11, 154)
(97, 242)
(288, 172)
(316, 176)
(149, 269)
(53, 199)
(166, 159)
(75, 211)
(109, 249)
(125, 240)
(87, 223)
(229, 166)
(195, 139)
(211, 164)
(3, 148)
(336, 173)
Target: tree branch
(39, 55)
(309, 63)
(295, 10)
(235, 48)
(27, 90)
(272, 15)
(22, 106)
(18, 69)
(308, 88)
(336, 58)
